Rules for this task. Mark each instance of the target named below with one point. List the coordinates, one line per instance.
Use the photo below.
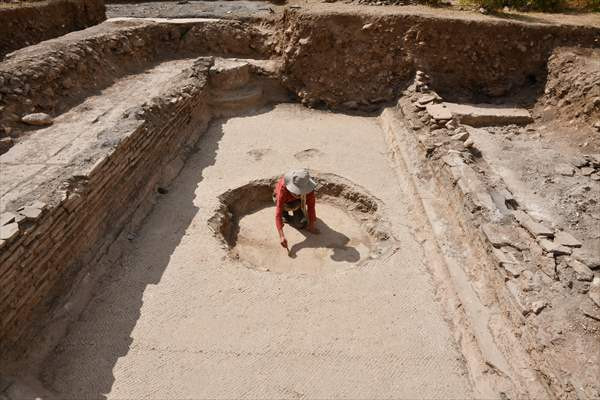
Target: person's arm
(279, 217)
(312, 212)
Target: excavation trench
(372, 302)
(156, 232)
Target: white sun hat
(299, 182)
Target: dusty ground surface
(341, 243)
(179, 319)
(192, 9)
(170, 9)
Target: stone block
(502, 235)
(566, 239)
(9, 231)
(30, 213)
(488, 115)
(439, 112)
(7, 217)
(534, 228)
(556, 249)
(582, 272)
(594, 292)
(508, 261)
(548, 266)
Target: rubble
(564, 169)
(582, 272)
(538, 306)
(566, 239)
(553, 247)
(534, 228)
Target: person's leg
(300, 220)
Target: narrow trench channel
(322, 324)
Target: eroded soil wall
(31, 23)
(55, 75)
(353, 60)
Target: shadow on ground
(83, 364)
(330, 239)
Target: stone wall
(55, 239)
(30, 23)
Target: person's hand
(283, 242)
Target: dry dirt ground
(191, 9)
(180, 318)
(242, 8)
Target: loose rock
(538, 306)
(535, 228)
(566, 239)
(587, 171)
(38, 119)
(564, 169)
(590, 311)
(461, 136)
(582, 272)
(588, 257)
(594, 292)
(555, 248)
(9, 231)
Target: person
(295, 193)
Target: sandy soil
(191, 9)
(341, 244)
(179, 319)
(241, 8)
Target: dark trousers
(297, 219)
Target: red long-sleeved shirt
(284, 196)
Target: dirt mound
(573, 86)
(359, 60)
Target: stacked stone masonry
(38, 263)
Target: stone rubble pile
(549, 278)
(523, 254)
(586, 165)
